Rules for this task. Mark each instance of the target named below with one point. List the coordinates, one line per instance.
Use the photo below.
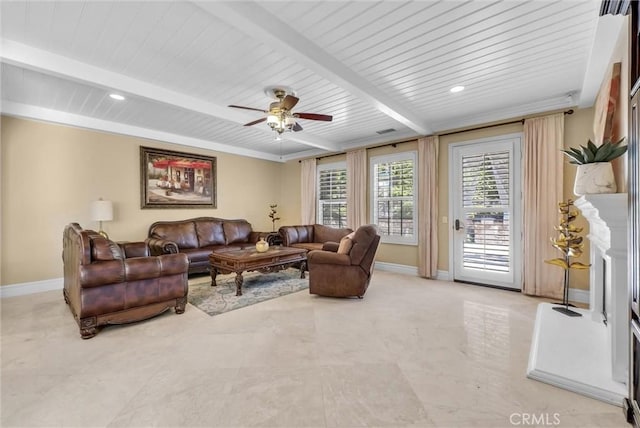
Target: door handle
(457, 224)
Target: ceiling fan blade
(255, 121)
(296, 127)
(248, 108)
(289, 102)
(314, 116)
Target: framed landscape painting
(171, 179)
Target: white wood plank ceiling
(371, 65)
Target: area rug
(256, 288)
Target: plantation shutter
(486, 207)
(332, 197)
(394, 197)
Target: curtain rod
(477, 128)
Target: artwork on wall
(605, 107)
(171, 179)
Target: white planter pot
(593, 178)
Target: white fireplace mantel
(608, 231)
(584, 354)
(607, 216)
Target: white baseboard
(579, 296)
(443, 275)
(21, 289)
(397, 268)
(575, 294)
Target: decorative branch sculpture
(569, 243)
(273, 216)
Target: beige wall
(51, 173)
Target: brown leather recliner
(347, 272)
(109, 283)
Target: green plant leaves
(588, 155)
(591, 153)
(604, 153)
(619, 151)
(574, 158)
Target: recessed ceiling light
(117, 97)
(456, 89)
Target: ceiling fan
(279, 117)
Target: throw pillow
(345, 245)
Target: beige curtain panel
(428, 206)
(356, 188)
(308, 191)
(542, 187)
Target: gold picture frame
(170, 179)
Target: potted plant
(569, 243)
(595, 174)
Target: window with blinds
(486, 206)
(394, 197)
(332, 195)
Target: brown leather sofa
(110, 283)
(311, 237)
(199, 237)
(346, 272)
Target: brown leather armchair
(346, 272)
(109, 283)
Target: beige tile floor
(412, 353)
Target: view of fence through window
(394, 197)
(486, 205)
(332, 197)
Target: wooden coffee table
(248, 259)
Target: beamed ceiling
(373, 66)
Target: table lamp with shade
(102, 211)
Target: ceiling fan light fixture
(273, 121)
(289, 121)
(280, 116)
